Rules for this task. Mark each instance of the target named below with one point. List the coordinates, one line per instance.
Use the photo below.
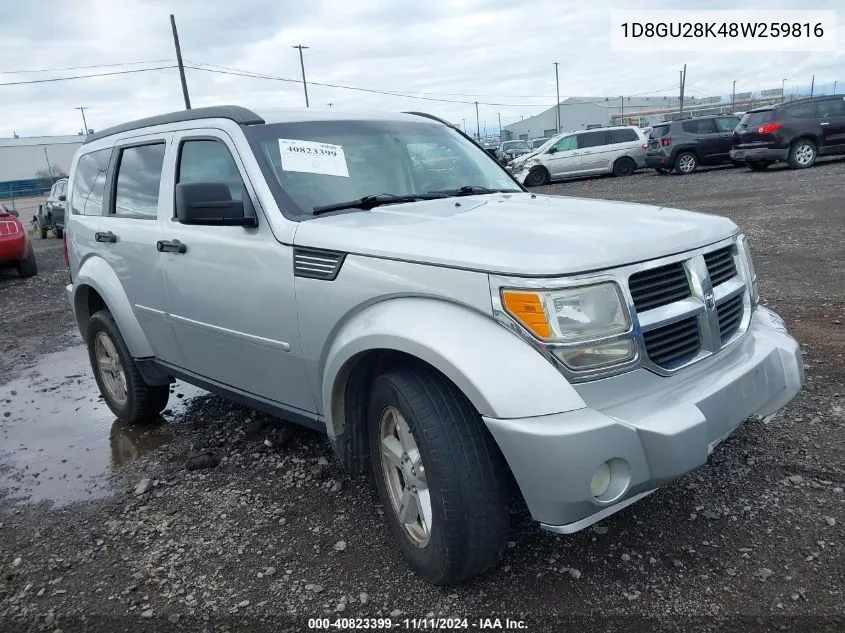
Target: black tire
(28, 266)
(43, 232)
(537, 177)
(59, 232)
(143, 402)
(802, 154)
(758, 166)
(624, 166)
(662, 171)
(686, 163)
(465, 473)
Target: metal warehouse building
(21, 158)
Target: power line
(51, 70)
(116, 72)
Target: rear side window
(726, 123)
(831, 107)
(592, 139)
(701, 126)
(754, 119)
(626, 135)
(800, 111)
(89, 183)
(138, 180)
(659, 131)
(207, 160)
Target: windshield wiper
(371, 202)
(471, 190)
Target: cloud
(494, 51)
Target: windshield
(317, 163)
(516, 145)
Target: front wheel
(121, 384)
(536, 177)
(440, 476)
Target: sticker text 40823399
(313, 158)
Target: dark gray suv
(685, 144)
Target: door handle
(106, 236)
(696, 138)
(825, 123)
(170, 246)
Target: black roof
(792, 101)
(238, 114)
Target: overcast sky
(494, 51)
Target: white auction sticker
(313, 158)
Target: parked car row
(795, 132)
(616, 150)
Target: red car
(15, 247)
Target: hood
(519, 233)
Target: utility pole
(733, 98)
(85, 124)
(782, 89)
(181, 65)
(302, 65)
(49, 166)
(621, 109)
(557, 103)
(500, 119)
(477, 123)
(834, 86)
(683, 74)
(812, 85)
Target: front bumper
(759, 154)
(666, 428)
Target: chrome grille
(720, 265)
(730, 317)
(658, 287)
(674, 344)
(317, 264)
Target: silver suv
(613, 150)
(383, 280)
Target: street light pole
(84, 123)
(782, 88)
(302, 65)
(477, 123)
(557, 103)
(733, 97)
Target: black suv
(795, 131)
(51, 214)
(685, 144)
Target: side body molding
(501, 375)
(95, 272)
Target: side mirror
(63, 197)
(210, 203)
(551, 150)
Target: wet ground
(59, 441)
(273, 533)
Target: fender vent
(316, 264)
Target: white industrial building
(20, 158)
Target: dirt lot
(276, 533)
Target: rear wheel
(43, 232)
(440, 475)
(28, 267)
(59, 232)
(624, 166)
(802, 154)
(759, 166)
(121, 384)
(537, 176)
(686, 163)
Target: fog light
(601, 480)
(611, 480)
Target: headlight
(749, 266)
(578, 320)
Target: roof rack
(238, 114)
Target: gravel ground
(273, 533)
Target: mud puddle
(59, 440)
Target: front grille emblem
(710, 301)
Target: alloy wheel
(111, 369)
